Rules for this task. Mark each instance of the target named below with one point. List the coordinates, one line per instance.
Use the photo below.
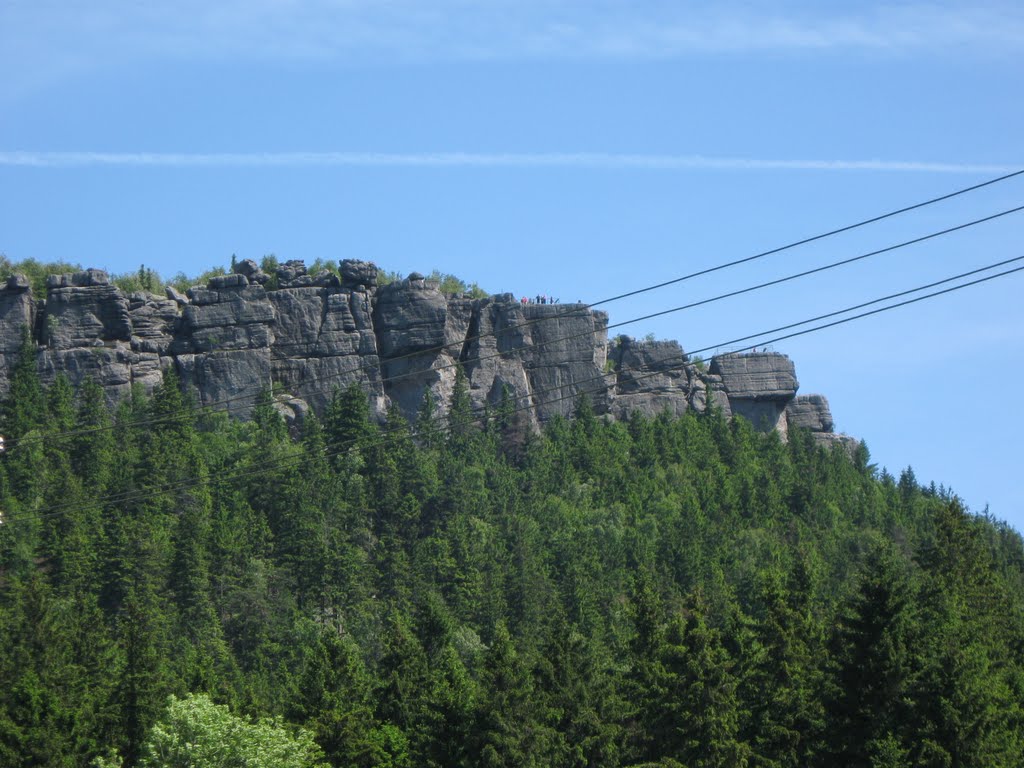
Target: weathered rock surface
(810, 412)
(84, 311)
(756, 375)
(309, 335)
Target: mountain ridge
(303, 335)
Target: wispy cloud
(36, 34)
(582, 160)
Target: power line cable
(866, 304)
(59, 509)
(578, 309)
(719, 267)
(812, 239)
(847, 228)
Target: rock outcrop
(304, 335)
(811, 412)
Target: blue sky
(564, 147)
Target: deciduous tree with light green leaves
(196, 733)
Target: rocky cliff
(304, 335)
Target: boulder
(358, 273)
(176, 296)
(252, 271)
(327, 279)
(290, 272)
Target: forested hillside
(668, 591)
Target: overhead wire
(709, 270)
(128, 496)
(570, 309)
(577, 311)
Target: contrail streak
(594, 160)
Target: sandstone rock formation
(305, 335)
(811, 412)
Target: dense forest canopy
(669, 591)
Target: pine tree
(869, 707)
(699, 722)
(93, 450)
(460, 413)
(347, 422)
(508, 733)
(968, 707)
(785, 715)
(24, 408)
(428, 432)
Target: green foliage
(386, 277)
(446, 283)
(269, 264)
(196, 732)
(144, 279)
(36, 271)
(452, 285)
(319, 264)
(667, 591)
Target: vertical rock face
(413, 330)
(17, 315)
(222, 341)
(564, 355)
(324, 339)
(651, 377)
(311, 334)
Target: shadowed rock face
(235, 336)
(17, 313)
